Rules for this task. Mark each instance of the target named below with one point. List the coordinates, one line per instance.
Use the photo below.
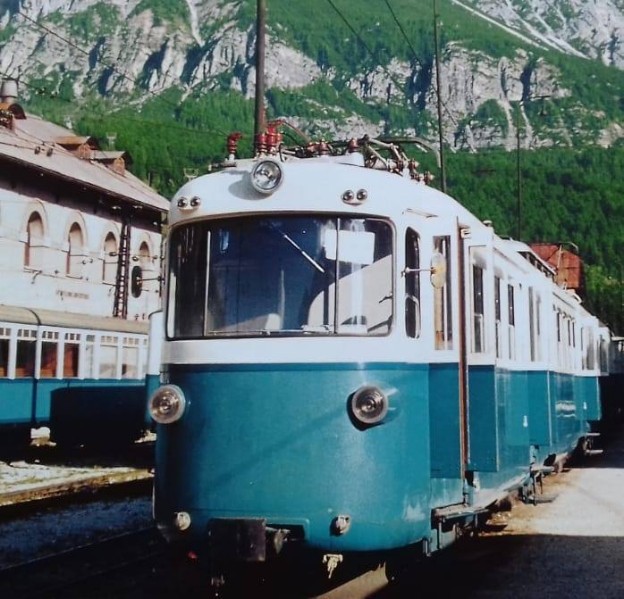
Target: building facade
(78, 232)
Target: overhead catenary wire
(333, 5)
(104, 63)
(363, 43)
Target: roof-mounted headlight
(369, 405)
(267, 176)
(167, 403)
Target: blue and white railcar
(82, 376)
(352, 362)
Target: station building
(78, 232)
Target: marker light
(266, 176)
(354, 199)
(369, 405)
(188, 204)
(167, 403)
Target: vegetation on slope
(565, 194)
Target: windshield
(293, 275)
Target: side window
(497, 316)
(511, 321)
(478, 319)
(109, 355)
(604, 356)
(89, 359)
(26, 353)
(71, 353)
(590, 350)
(49, 354)
(141, 271)
(442, 315)
(75, 243)
(4, 351)
(109, 264)
(534, 325)
(130, 358)
(33, 250)
(412, 284)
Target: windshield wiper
(305, 254)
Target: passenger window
(478, 317)
(49, 350)
(4, 357)
(412, 284)
(534, 325)
(511, 321)
(108, 358)
(497, 316)
(71, 354)
(442, 316)
(26, 351)
(89, 367)
(130, 359)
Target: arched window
(109, 265)
(144, 255)
(75, 243)
(140, 271)
(33, 250)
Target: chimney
(8, 91)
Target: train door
(440, 292)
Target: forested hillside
(562, 195)
(566, 196)
(169, 81)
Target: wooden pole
(260, 117)
(439, 96)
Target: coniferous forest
(556, 195)
(569, 193)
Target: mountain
(168, 81)
(337, 67)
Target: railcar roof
(70, 320)
(317, 184)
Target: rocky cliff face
(127, 50)
(591, 29)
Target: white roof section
(318, 184)
(34, 142)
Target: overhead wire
(56, 96)
(363, 43)
(108, 65)
(416, 59)
(177, 106)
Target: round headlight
(167, 403)
(369, 405)
(266, 176)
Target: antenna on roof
(111, 137)
(190, 173)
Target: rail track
(75, 572)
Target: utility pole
(438, 94)
(260, 124)
(522, 103)
(519, 178)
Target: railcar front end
(348, 366)
(294, 421)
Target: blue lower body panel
(74, 407)
(278, 443)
